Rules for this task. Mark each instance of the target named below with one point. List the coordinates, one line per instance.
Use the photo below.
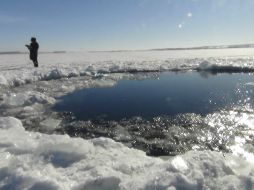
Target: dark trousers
(35, 61)
(33, 57)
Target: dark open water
(170, 94)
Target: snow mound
(10, 122)
(3, 81)
(31, 160)
(25, 99)
(55, 74)
(224, 67)
(75, 64)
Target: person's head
(33, 39)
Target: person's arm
(29, 47)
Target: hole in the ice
(170, 94)
(180, 100)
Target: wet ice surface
(214, 150)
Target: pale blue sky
(124, 24)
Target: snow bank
(226, 66)
(25, 99)
(57, 66)
(32, 160)
(3, 81)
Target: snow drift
(31, 160)
(16, 69)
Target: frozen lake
(202, 121)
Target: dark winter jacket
(34, 46)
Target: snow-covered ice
(17, 70)
(33, 160)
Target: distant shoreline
(187, 48)
(209, 47)
(12, 52)
(20, 52)
(144, 50)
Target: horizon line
(232, 46)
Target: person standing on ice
(33, 48)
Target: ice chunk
(50, 124)
(36, 97)
(179, 163)
(62, 154)
(3, 80)
(224, 66)
(10, 122)
(122, 134)
(28, 111)
(205, 65)
(55, 74)
(26, 99)
(13, 99)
